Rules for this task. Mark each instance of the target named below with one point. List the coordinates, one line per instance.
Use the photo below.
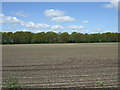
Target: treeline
(21, 37)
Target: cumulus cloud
(80, 31)
(9, 19)
(74, 30)
(20, 13)
(112, 4)
(85, 21)
(63, 19)
(53, 13)
(37, 31)
(55, 31)
(28, 24)
(98, 29)
(75, 27)
(58, 16)
(41, 25)
(12, 20)
(57, 27)
(35, 25)
(1, 15)
(25, 30)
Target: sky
(82, 17)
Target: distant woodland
(21, 37)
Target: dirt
(62, 65)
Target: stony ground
(62, 65)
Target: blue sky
(83, 17)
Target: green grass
(12, 82)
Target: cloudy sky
(83, 17)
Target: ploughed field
(62, 65)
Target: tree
(21, 37)
(64, 37)
(7, 38)
(51, 37)
(39, 38)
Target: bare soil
(62, 65)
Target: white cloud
(57, 27)
(63, 19)
(1, 21)
(54, 31)
(8, 19)
(107, 31)
(85, 21)
(25, 30)
(35, 25)
(36, 31)
(75, 27)
(2, 15)
(28, 24)
(74, 30)
(112, 4)
(53, 13)
(39, 25)
(98, 29)
(80, 31)
(20, 13)
(13, 20)
(58, 16)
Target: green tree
(64, 37)
(51, 37)
(22, 37)
(7, 38)
(39, 38)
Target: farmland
(62, 65)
